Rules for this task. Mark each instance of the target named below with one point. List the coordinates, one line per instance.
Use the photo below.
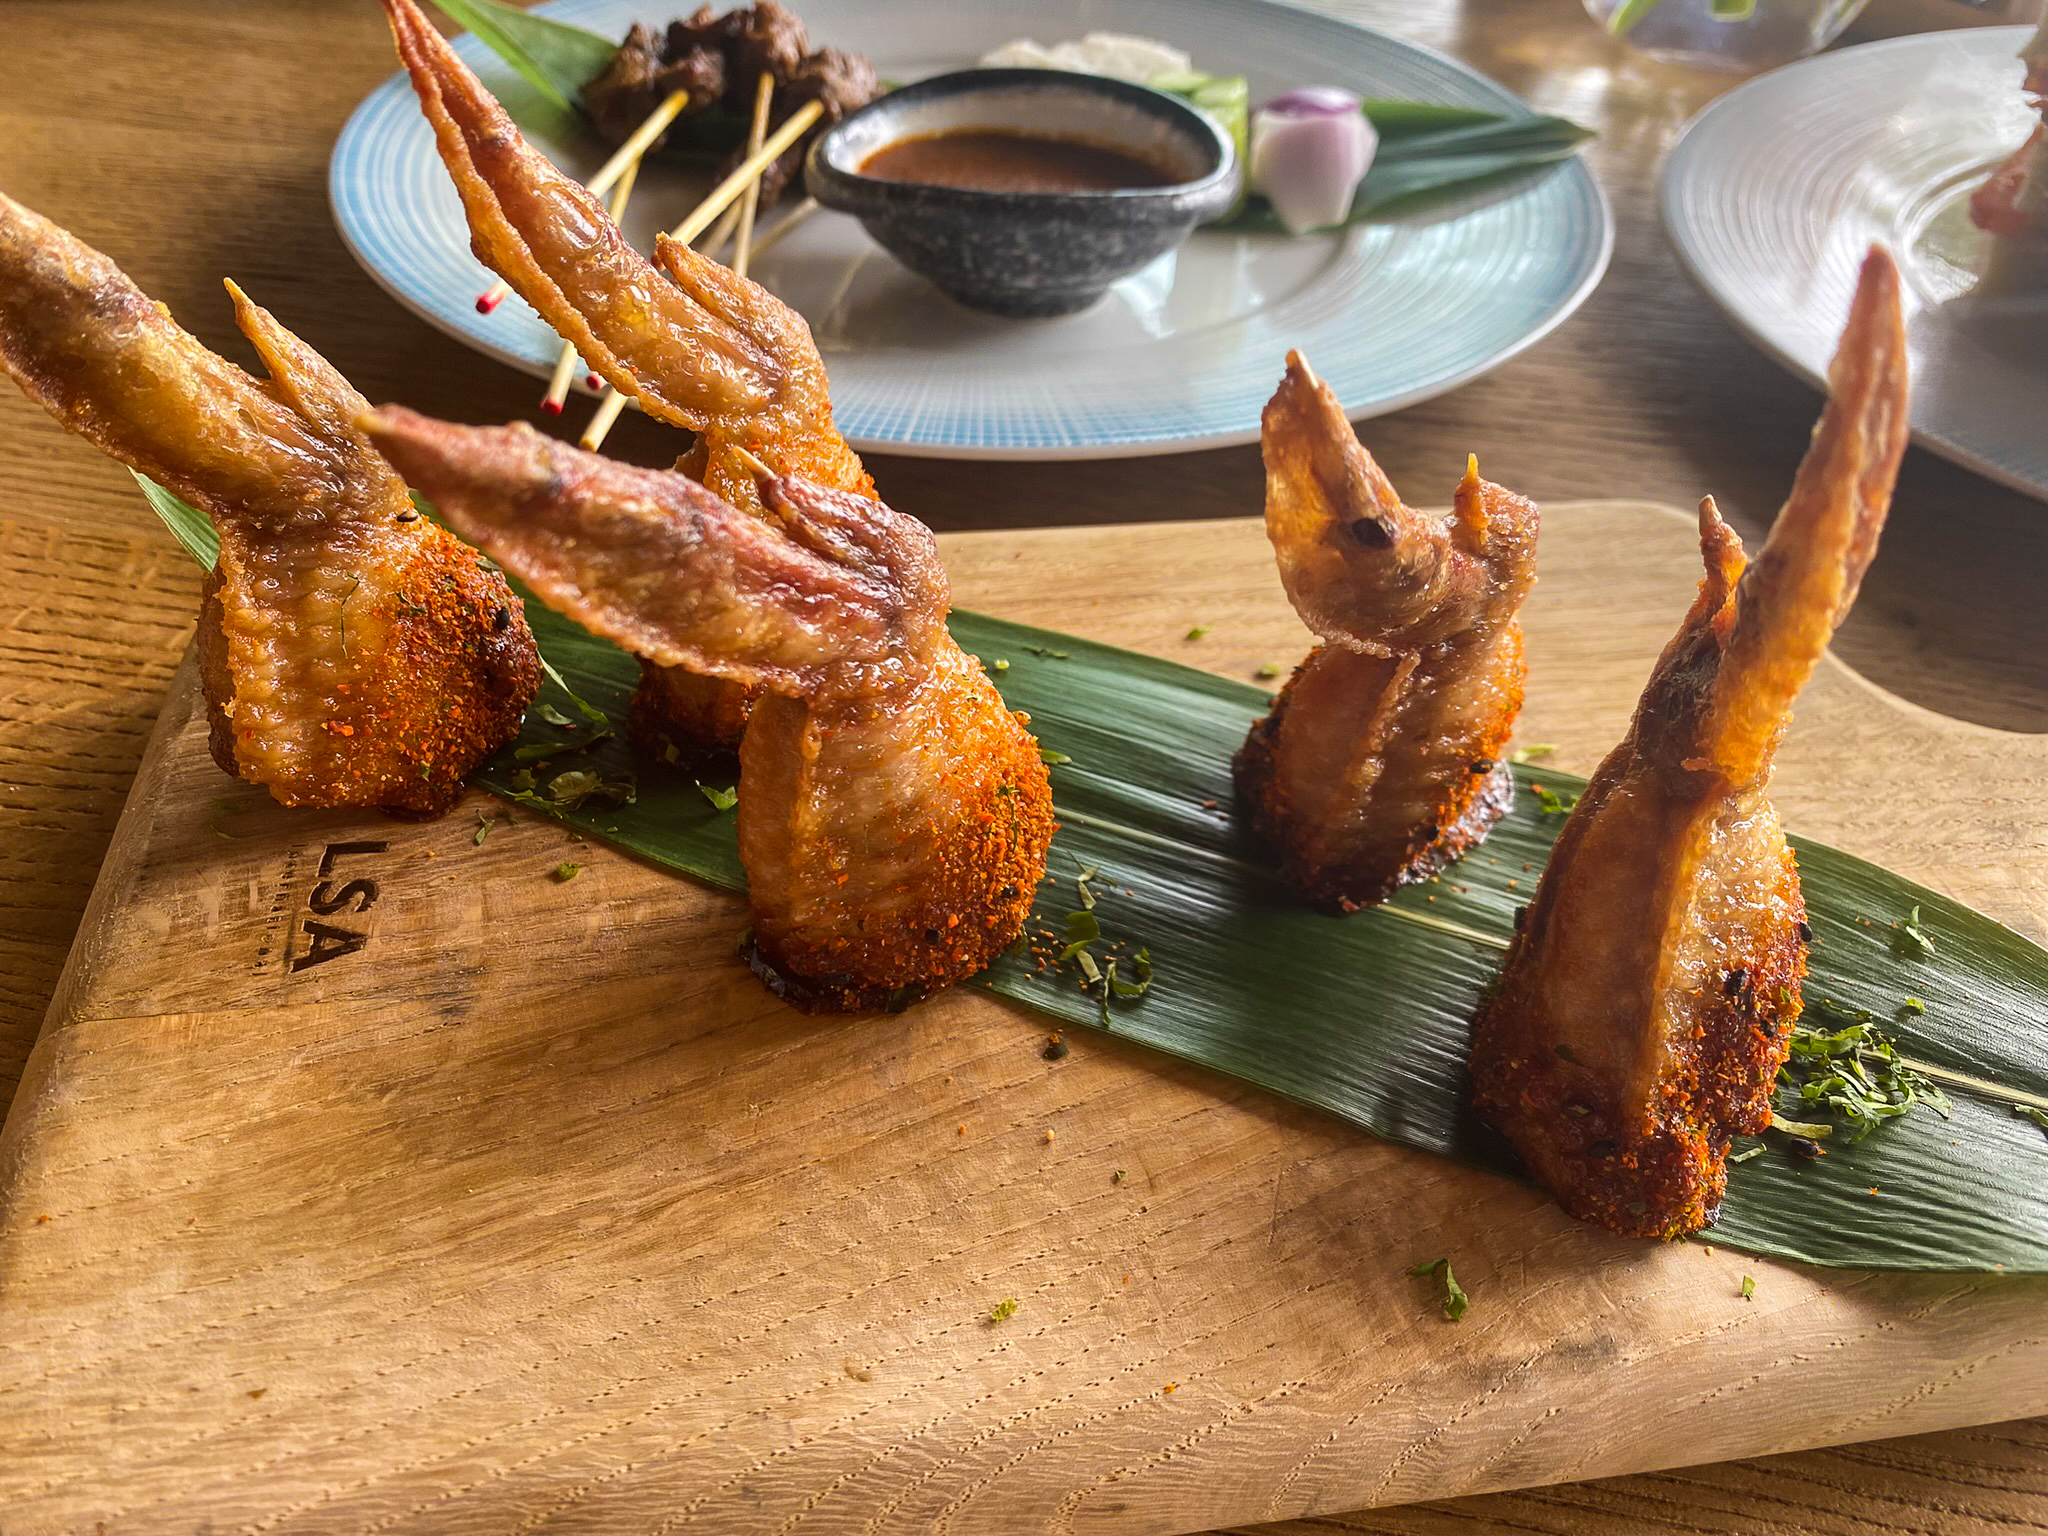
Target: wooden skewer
(750, 203)
(784, 226)
(626, 155)
(565, 364)
(728, 190)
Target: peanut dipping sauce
(1000, 160)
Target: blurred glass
(1688, 32)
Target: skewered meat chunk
(1647, 999)
(351, 652)
(894, 816)
(1384, 756)
(719, 59)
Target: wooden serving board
(367, 1178)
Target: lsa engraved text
(337, 896)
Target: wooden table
(190, 142)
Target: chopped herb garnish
(1269, 669)
(1117, 1177)
(2029, 1112)
(1530, 753)
(1808, 1130)
(220, 809)
(1909, 939)
(1747, 1153)
(1455, 1299)
(1141, 967)
(1089, 968)
(999, 665)
(1083, 929)
(1050, 655)
(1748, 1287)
(1551, 803)
(1198, 631)
(599, 722)
(567, 872)
(1852, 1071)
(554, 716)
(1911, 1005)
(721, 799)
(1081, 885)
(483, 828)
(1051, 758)
(1003, 1310)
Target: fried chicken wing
(351, 653)
(1382, 759)
(699, 346)
(1645, 1006)
(894, 816)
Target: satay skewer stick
(750, 203)
(783, 227)
(626, 155)
(565, 365)
(626, 158)
(744, 175)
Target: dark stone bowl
(1028, 253)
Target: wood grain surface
(190, 141)
(524, 1206)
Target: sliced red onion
(1310, 148)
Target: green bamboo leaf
(556, 59)
(191, 527)
(1368, 1017)
(1442, 152)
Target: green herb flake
(1048, 653)
(1083, 929)
(564, 873)
(1909, 939)
(1747, 1153)
(1842, 1064)
(1551, 803)
(554, 716)
(1455, 1298)
(1269, 669)
(1117, 1177)
(1911, 1005)
(1812, 1130)
(1051, 758)
(483, 828)
(721, 799)
(1199, 630)
(2029, 1112)
(1748, 1287)
(999, 665)
(1091, 971)
(1533, 751)
(1003, 1310)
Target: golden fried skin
(894, 816)
(1644, 1010)
(351, 653)
(699, 346)
(1383, 758)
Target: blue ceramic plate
(1180, 355)
(1776, 190)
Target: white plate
(1775, 191)
(1180, 355)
